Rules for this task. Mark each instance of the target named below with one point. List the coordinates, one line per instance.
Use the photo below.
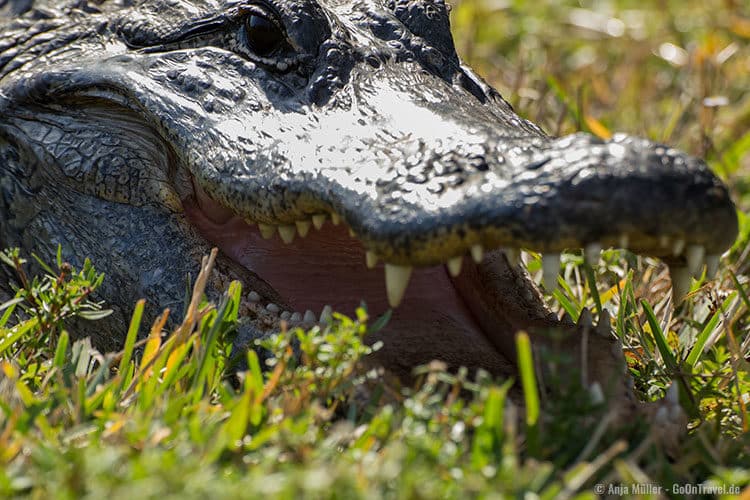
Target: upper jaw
(419, 187)
(569, 193)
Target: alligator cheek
(327, 267)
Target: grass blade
(127, 353)
(661, 340)
(530, 391)
(702, 338)
(62, 348)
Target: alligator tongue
(327, 267)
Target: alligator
(337, 152)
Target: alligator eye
(263, 35)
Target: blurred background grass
(675, 71)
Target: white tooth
(678, 246)
(616, 350)
(477, 253)
(676, 414)
(712, 266)
(596, 394)
(673, 394)
(273, 308)
(295, 318)
(303, 227)
(624, 241)
(396, 281)
(454, 265)
(585, 319)
(512, 255)
(253, 296)
(661, 417)
(602, 329)
(285, 315)
(352, 234)
(335, 218)
(694, 255)
(592, 253)
(326, 315)
(371, 259)
(287, 233)
(550, 270)
(680, 283)
(266, 230)
(566, 319)
(318, 220)
(309, 317)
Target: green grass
(162, 418)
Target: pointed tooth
(592, 253)
(267, 230)
(566, 319)
(335, 218)
(253, 296)
(326, 315)
(661, 417)
(712, 266)
(596, 394)
(352, 234)
(695, 255)
(624, 241)
(550, 270)
(303, 227)
(603, 328)
(396, 281)
(287, 233)
(273, 308)
(678, 246)
(677, 414)
(371, 259)
(616, 350)
(585, 319)
(309, 317)
(680, 283)
(454, 265)
(318, 220)
(477, 253)
(673, 394)
(513, 256)
(295, 318)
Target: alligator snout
(428, 201)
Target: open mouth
(319, 266)
(454, 312)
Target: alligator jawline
(327, 270)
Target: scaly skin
(140, 136)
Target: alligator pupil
(263, 35)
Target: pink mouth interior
(327, 267)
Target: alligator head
(312, 141)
